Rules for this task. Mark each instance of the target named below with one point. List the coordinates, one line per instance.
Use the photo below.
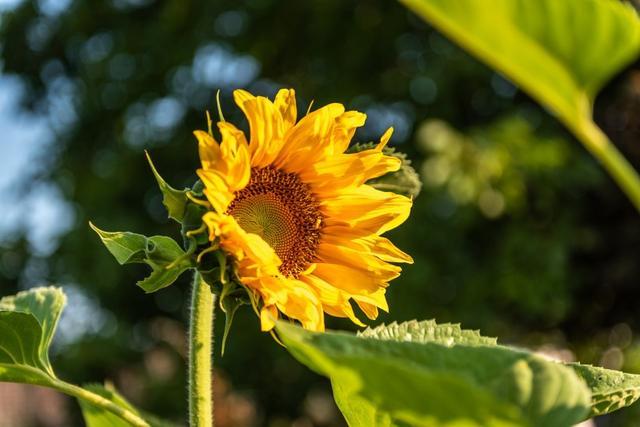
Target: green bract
(165, 257)
(174, 200)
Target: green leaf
(95, 416)
(427, 331)
(610, 390)
(174, 200)
(28, 321)
(389, 383)
(163, 254)
(559, 52)
(125, 247)
(161, 277)
(167, 260)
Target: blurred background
(517, 232)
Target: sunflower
(293, 210)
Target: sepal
(174, 200)
(215, 270)
(405, 180)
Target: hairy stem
(200, 354)
(99, 401)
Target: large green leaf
(393, 382)
(560, 52)
(610, 390)
(27, 323)
(427, 331)
(163, 254)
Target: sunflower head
(293, 210)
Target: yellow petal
(285, 103)
(387, 251)
(366, 208)
(209, 150)
(384, 139)
(351, 280)
(369, 304)
(235, 151)
(265, 124)
(268, 317)
(216, 189)
(365, 261)
(344, 129)
(308, 139)
(334, 301)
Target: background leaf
(399, 383)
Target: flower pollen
(281, 209)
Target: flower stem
(200, 354)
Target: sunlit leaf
(559, 52)
(610, 390)
(389, 383)
(125, 247)
(427, 331)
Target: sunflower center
(281, 209)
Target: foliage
(427, 331)
(563, 261)
(412, 382)
(529, 43)
(28, 322)
(406, 374)
(490, 166)
(166, 258)
(610, 390)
